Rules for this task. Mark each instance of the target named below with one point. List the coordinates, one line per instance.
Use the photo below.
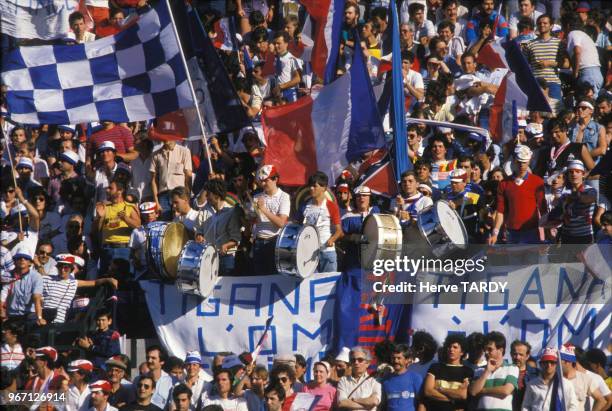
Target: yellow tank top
(114, 229)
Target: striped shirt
(11, 356)
(58, 293)
(507, 373)
(121, 136)
(539, 50)
(577, 216)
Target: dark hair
(104, 313)
(242, 84)
(216, 187)
(74, 17)
(544, 16)
(422, 163)
(524, 23)
(380, 12)
(114, 11)
(121, 186)
(597, 356)
(424, 346)
(496, 338)
(7, 377)
(319, 178)
(181, 389)
(277, 388)
(407, 54)
(148, 377)
(256, 18)
(446, 24)
(300, 360)
(173, 362)
(403, 349)
(259, 34)
(43, 243)
(606, 218)
(519, 342)
(466, 55)
(282, 368)
(475, 342)
(282, 33)
(455, 338)
(557, 123)
(447, 3)
(181, 192)
(408, 173)
(155, 347)
(414, 7)
(213, 407)
(467, 158)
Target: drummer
(272, 207)
(324, 214)
(183, 213)
(466, 202)
(410, 201)
(138, 240)
(352, 225)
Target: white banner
(546, 305)
(234, 317)
(36, 19)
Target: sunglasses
(144, 386)
(548, 363)
(358, 359)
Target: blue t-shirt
(401, 391)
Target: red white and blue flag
(321, 36)
(519, 89)
(326, 130)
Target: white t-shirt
(278, 204)
(584, 386)
(229, 404)
(414, 79)
(288, 64)
(589, 56)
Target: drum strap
(358, 385)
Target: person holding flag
(549, 390)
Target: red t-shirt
(119, 135)
(520, 204)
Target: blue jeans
(592, 75)
(109, 254)
(227, 264)
(328, 262)
(554, 91)
(263, 256)
(523, 237)
(166, 206)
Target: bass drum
(198, 269)
(297, 250)
(164, 244)
(441, 228)
(383, 239)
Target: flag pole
(191, 88)
(13, 169)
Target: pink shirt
(327, 393)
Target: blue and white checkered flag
(138, 74)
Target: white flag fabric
(137, 74)
(36, 19)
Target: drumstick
(10, 156)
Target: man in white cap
(466, 202)
(23, 297)
(100, 391)
(352, 225)
(25, 171)
(584, 386)
(539, 392)
(21, 226)
(519, 200)
(575, 210)
(272, 207)
(47, 378)
(138, 238)
(341, 365)
(105, 170)
(68, 161)
(78, 394)
(59, 290)
(196, 379)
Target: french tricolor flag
(321, 36)
(325, 130)
(519, 90)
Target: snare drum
(442, 228)
(297, 250)
(198, 269)
(164, 244)
(383, 236)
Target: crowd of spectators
(76, 201)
